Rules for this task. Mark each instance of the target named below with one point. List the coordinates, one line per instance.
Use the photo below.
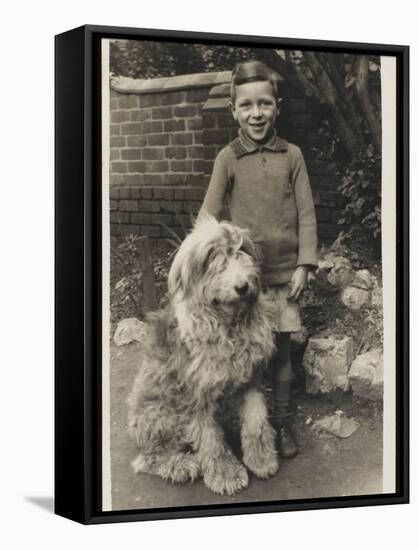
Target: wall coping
(128, 85)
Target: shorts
(286, 312)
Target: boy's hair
(252, 71)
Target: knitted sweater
(268, 192)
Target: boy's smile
(255, 109)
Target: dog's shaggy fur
(202, 352)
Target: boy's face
(256, 109)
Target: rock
(376, 293)
(366, 375)
(342, 273)
(363, 279)
(354, 298)
(338, 425)
(300, 337)
(326, 363)
(128, 330)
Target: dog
(203, 352)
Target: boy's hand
(298, 282)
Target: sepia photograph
(248, 275)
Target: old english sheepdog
(203, 352)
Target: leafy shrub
(361, 189)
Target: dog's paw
(180, 468)
(259, 454)
(225, 475)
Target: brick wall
(164, 136)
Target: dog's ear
(179, 274)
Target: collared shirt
(267, 189)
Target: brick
(225, 120)
(150, 100)
(233, 133)
(128, 206)
(210, 152)
(133, 153)
(178, 153)
(138, 166)
(117, 179)
(195, 123)
(216, 136)
(175, 207)
(162, 113)
(114, 193)
(199, 166)
(115, 229)
(176, 178)
(124, 193)
(150, 230)
(196, 152)
(198, 137)
(157, 166)
(208, 166)
(148, 206)
(140, 115)
(119, 217)
(172, 98)
(153, 153)
(174, 125)
(152, 126)
(133, 179)
(192, 207)
(184, 219)
(184, 111)
(179, 194)
(135, 193)
(335, 215)
(158, 139)
(182, 138)
(120, 116)
(114, 154)
(128, 101)
(197, 95)
(146, 193)
(152, 179)
(322, 214)
(327, 231)
(113, 205)
(181, 165)
(180, 232)
(136, 141)
(194, 194)
(163, 193)
(132, 128)
(209, 120)
(130, 230)
(115, 130)
(141, 218)
(113, 105)
(118, 167)
(158, 219)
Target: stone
(366, 375)
(354, 298)
(376, 293)
(128, 330)
(326, 363)
(341, 273)
(363, 279)
(338, 425)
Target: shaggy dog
(203, 352)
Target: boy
(265, 181)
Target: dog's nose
(242, 289)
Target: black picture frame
(78, 306)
